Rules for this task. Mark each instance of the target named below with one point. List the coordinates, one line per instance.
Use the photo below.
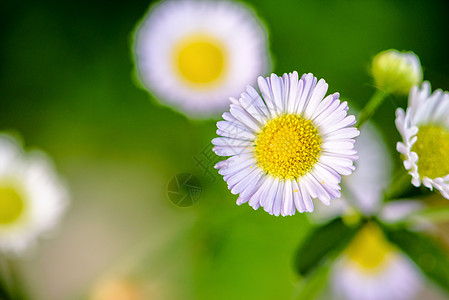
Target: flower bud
(396, 72)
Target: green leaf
(323, 243)
(428, 254)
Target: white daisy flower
(424, 128)
(32, 197)
(371, 268)
(287, 145)
(195, 54)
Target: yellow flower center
(432, 147)
(200, 60)
(369, 249)
(288, 147)
(11, 205)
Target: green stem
(370, 108)
(401, 183)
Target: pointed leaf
(323, 243)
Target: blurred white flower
(396, 72)
(363, 190)
(373, 269)
(288, 145)
(32, 196)
(195, 54)
(424, 128)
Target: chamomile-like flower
(424, 128)
(32, 197)
(195, 54)
(287, 145)
(371, 268)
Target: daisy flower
(32, 197)
(287, 145)
(424, 128)
(195, 54)
(372, 268)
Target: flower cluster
(285, 145)
(290, 148)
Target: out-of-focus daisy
(424, 128)
(396, 72)
(32, 197)
(195, 54)
(287, 145)
(363, 190)
(371, 268)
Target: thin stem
(370, 108)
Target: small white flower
(424, 128)
(287, 145)
(32, 197)
(195, 54)
(396, 72)
(373, 269)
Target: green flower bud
(396, 72)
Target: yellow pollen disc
(369, 249)
(288, 147)
(11, 205)
(432, 147)
(200, 59)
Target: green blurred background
(67, 87)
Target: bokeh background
(67, 86)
